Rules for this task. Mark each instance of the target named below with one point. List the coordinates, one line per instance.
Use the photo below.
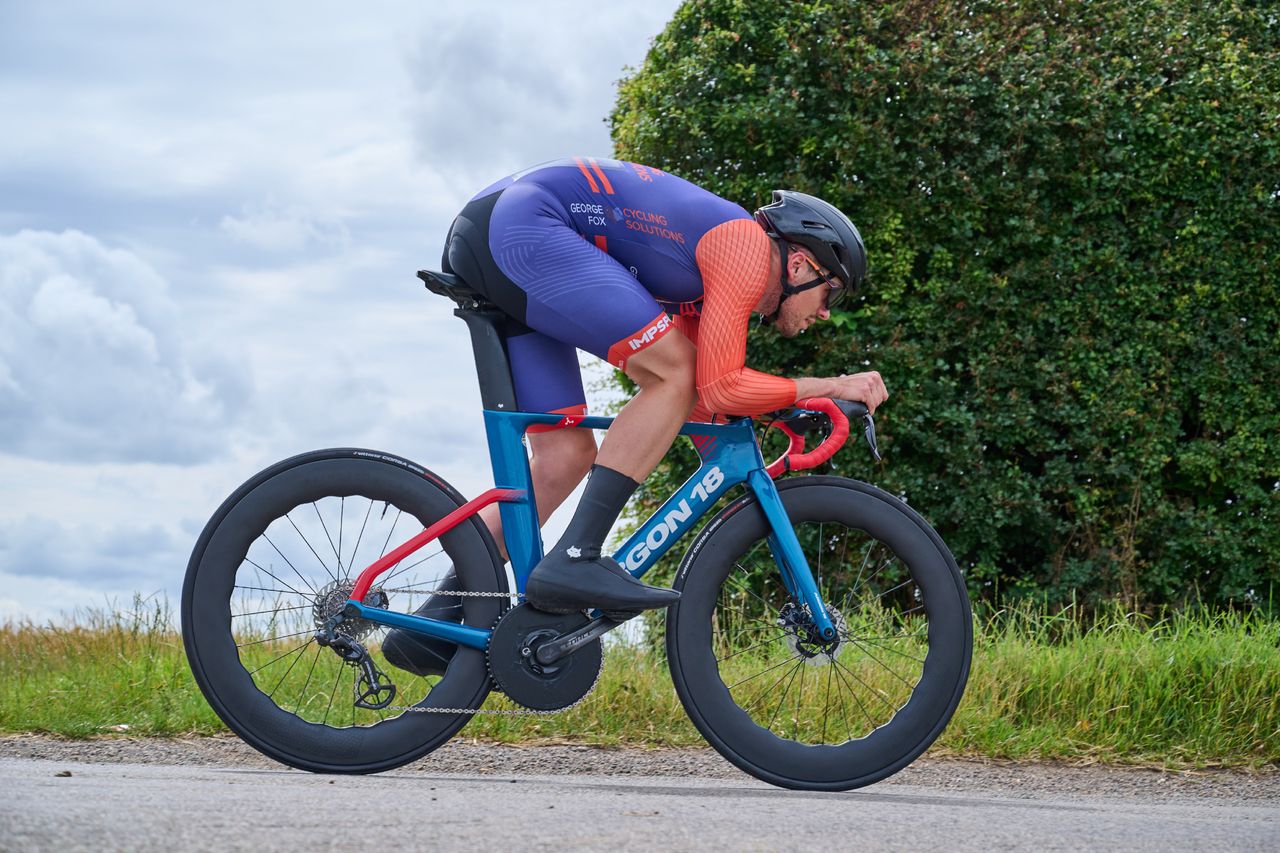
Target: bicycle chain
(453, 592)
(496, 712)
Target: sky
(210, 220)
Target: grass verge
(1190, 690)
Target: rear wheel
(279, 557)
(761, 684)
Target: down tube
(735, 456)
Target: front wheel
(770, 694)
(280, 557)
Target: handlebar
(815, 413)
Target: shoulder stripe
(590, 180)
(608, 187)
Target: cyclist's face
(803, 309)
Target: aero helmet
(808, 221)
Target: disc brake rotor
(514, 666)
(801, 639)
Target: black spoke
(281, 581)
(336, 553)
(865, 559)
(303, 695)
(854, 695)
(273, 610)
(271, 589)
(763, 671)
(783, 699)
(848, 635)
(862, 640)
(870, 689)
(272, 694)
(394, 522)
(289, 564)
(313, 551)
(757, 697)
(880, 568)
(826, 703)
(432, 586)
(397, 572)
(906, 582)
(333, 692)
(271, 639)
(281, 657)
(804, 670)
(342, 510)
(748, 591)
(767, 642)
(356, 550)
(882, 664)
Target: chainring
(515, 669)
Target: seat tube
(787, 552)
(520, 530)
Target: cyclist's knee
(565, 454)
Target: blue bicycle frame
(730, 455)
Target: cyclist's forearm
(867, 387)
(812, 386)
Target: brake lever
(854, 409)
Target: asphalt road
(239, 804)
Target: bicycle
(822, 640)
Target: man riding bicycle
(659, 277)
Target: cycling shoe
(573, 579)
(426, 655)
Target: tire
(273, 561)
(760, 689)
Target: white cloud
(95, 366)
(281, 228)
(497, 93)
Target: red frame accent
(794, 459)
(441, 527)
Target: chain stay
(496, 712)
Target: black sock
(606, 494)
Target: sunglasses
(836, 292)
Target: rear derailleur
(373, 689)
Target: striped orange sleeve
(735, 261)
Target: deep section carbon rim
(280, 557)
(768, 691)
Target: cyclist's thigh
(574, 292)
(545, 373)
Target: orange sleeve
(735, 260)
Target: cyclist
(660, 278)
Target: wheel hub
(803, 638)
(514, 666)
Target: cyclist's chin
(789, 328)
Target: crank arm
(552, 650)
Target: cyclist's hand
(864, 387)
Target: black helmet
(821, 228)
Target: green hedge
(1072, 214)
